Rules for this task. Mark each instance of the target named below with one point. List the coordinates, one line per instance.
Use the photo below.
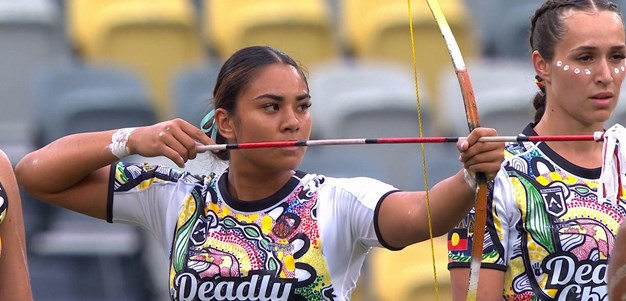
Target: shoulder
(355, 187)
(129, 175)
(512, 149)
(521, 148)
(340, 183)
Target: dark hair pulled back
(547, 30)
(237, 73)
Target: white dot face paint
(586, 71)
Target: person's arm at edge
(490, 284)
(14, 276)
(70, 171)
(616, 277)
(74, 171)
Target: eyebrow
(591, 48)
(620, 47)
(281, 98)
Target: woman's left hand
(485, 157)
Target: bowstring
(423, 151)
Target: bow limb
(473, 121)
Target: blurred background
(81, 65)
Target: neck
(250, 185)
(586, 154)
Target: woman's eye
(271, 107)
(585, 58)
(304, 106)
(618, 57)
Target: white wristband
(469, 179)
(118, 142)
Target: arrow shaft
(393, 140)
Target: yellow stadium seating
(81, 15)
(379, 29)
(155, 38)
(407, 275)
(79, 19)
(303, 29)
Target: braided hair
(547, 30)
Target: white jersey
(548, 227)
(306, 242)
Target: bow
(473, 121)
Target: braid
(539, 103)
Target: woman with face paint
(550, 226)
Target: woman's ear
(225, 124)
(542, 68)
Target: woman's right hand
(175, 139)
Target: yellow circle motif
(455, 239)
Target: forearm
(403, 216)
(450, 201)
(65, 162)
(490, 284)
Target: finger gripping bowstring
(471, 112)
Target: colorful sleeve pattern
(4, 205)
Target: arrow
(597, 136)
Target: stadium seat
(80, 16)
(87, 110)
(379, 29)
(413, 274)
(368, 100)
(503, 90)
(513, 30)
(153, 38)
(52, 84)
(303, 29)
(381, 85)
(73, 98)
(31, 36)
(192, 91)
(486, 14)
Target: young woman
(260, 230)
(551, 229)
(14, 278)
